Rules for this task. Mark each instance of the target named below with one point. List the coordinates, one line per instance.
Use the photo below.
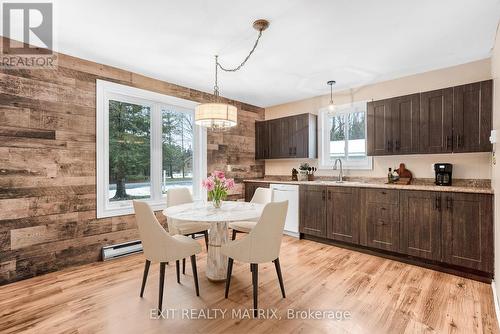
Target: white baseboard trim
(495, 299)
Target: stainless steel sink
(334, 182)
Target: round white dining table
(216, 269)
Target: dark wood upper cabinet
(421, 224)
(287, 137)
(288, 140)
(468, 230)
(343, 214)
(261, 140)
(455, 119)
(305, 136)
(276, 135)
(312, 207)
(379, 127)
(436, 121)
(472, 117)
(405, 112)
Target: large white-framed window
(147, 142)
(342, 135)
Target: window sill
(126, 208)
(365, 164)
(322, 168)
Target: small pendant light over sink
(331, 106)
(219, 115)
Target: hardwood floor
(381, 295)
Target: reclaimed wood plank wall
(48, 164)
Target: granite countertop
(479, 186)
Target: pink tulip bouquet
(217, 186)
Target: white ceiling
(309, 42)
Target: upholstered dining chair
(159, 246)
(261, 245)
(178, 196)
(261, 196)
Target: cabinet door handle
(323, 195)
(459, 141)
(289, 151)
(449, 203)
(449, 142)
(329, 195)
(389, 145)
(437, 203)
(295, 150)
(398, 145)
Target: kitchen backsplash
(465, 166)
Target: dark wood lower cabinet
(312, 203)
(467, 223)
(250, 189)
(421, 224)
(380, 219)
(343, 214)
(448, 230)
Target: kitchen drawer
(382, 226)
(383, 196)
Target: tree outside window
(347, 135)
(177, 143)
(129, 151)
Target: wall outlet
(493, 136)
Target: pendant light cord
(331, 94)
(225, 69)
(244, 61)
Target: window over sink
(342, 135)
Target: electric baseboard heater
(119, 250)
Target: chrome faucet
(341, 172)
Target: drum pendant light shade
(216, 115)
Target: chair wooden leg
(206, 239)
(228, 277)
(280, 277)
(234, 235)
(145, 276)
(193, 236)
(184, 266)
(162, 281)
(195, 274)
(255, 283)
(177, 270)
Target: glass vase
(217, 203)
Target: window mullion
(346, 135)
(156, 153)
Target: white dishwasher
(290, 193)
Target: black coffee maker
(443, 174)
